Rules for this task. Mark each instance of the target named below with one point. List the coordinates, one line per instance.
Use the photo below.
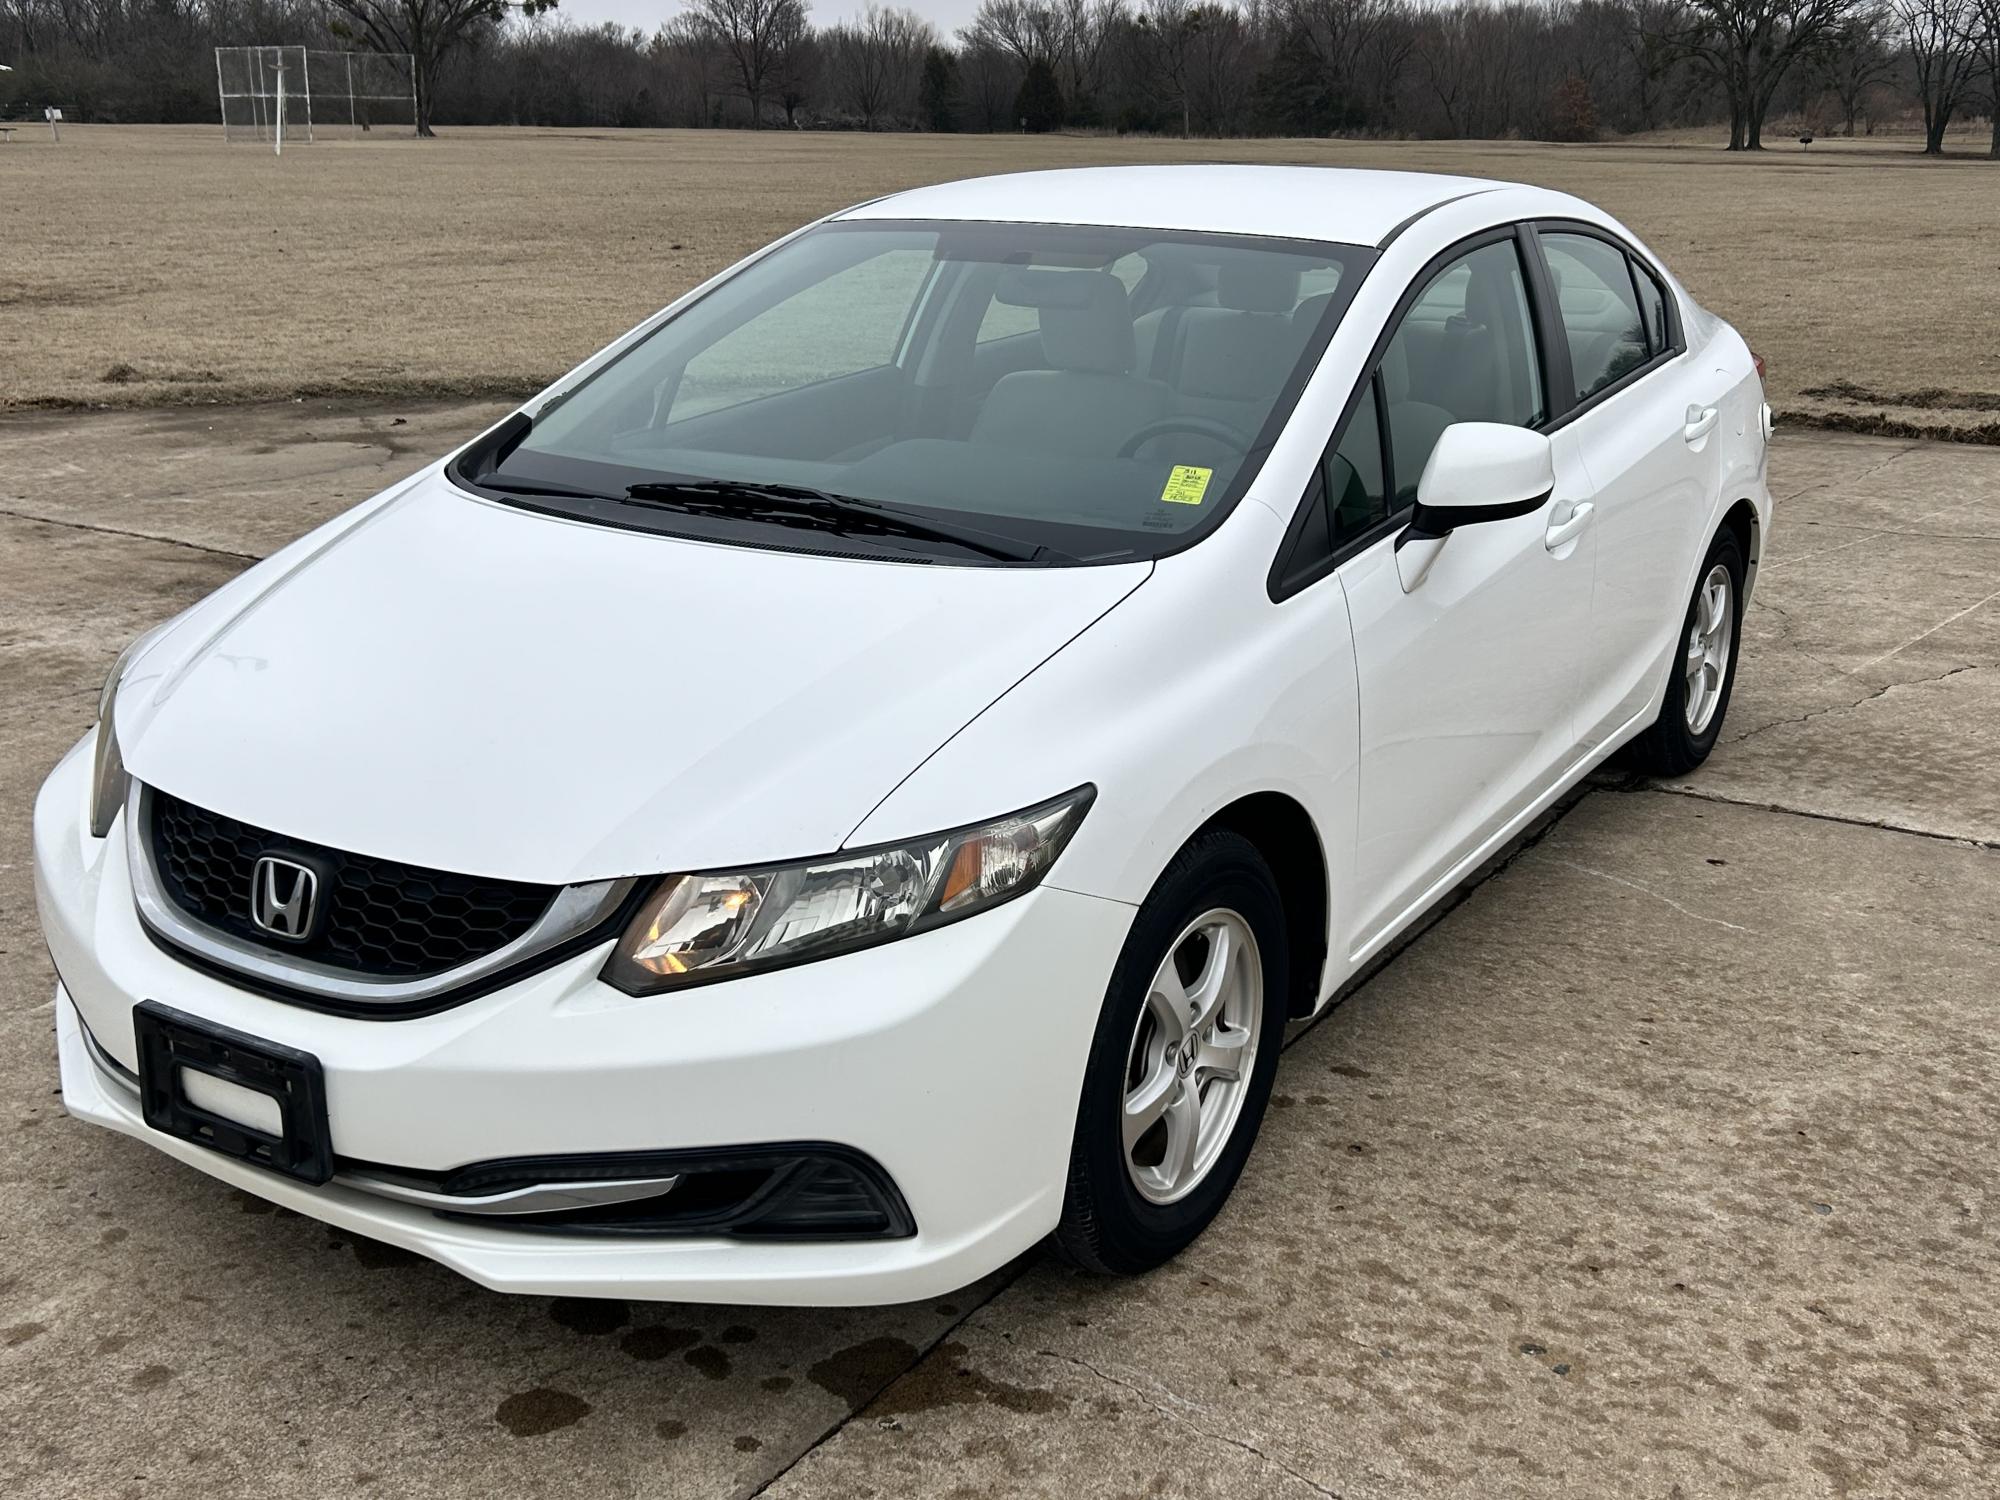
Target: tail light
(1757, 360)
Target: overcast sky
(946, 15)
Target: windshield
(1091, 393)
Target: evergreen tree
(1039, 105)
(937, 93)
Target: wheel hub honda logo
(284, 898)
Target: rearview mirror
(1478, 472)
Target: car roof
(1338, 204)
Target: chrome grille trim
(574, 911)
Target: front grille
(379, 918)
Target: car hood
(461, 684)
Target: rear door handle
(1701, 422)
(1570, 527)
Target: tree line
(1564, 70)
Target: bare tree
(1170, 30)
(1856, 59)
(875, 63)
(1944, 58)
(760, 39)
(1750, 45)
(426, 29)
(1986, 39)
(1069, 35)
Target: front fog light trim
(706, 926)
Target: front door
(1468, 682)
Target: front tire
(1181, 1066)
(1703, 670)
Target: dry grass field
(155, 264)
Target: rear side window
(1601, 320)
(1653, 299)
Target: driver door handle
(1565, 531)
(1701, 422)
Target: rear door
(1643, 415)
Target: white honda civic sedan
(855, 779)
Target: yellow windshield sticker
(1186, 485)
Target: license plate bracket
(171, 1041)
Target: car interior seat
(1088, 400)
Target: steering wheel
(1203, 426)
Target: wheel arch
(1289, 841)
(1741, 518)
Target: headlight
(107, 774)
(697, 928)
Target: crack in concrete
(1005, 1282)
(1948, 620)
(1790, 641)
(1176, 1408)
(1868, 697)
(1904, 452)
(137, 536)
(1880, 824)
(1644, 890)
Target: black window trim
(1634, 263)
(1286, 580)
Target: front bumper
(954, 1059)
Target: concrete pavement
(1663, 1165)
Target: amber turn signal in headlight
(697, 928)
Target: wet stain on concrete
(658, 1343)
(595, 1316)
(542, 1410)
(747, 1444)
(113, 1236)
(738, 1333)
(946, 1380)
(152, 1378)
(776, 1384)
(1348, 1070)
(860, 1370)
(111, 1343)
(20, 1333)
(710, 1360)
(250, 1203)
(671, 1428)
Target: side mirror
(1479, 471)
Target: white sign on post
(54, 117)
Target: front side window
(1355, 472)
(1600, 310)
(1096, 393)
(1464, 352)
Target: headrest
(1486, 297)
(1250, 282)
(1396, 371)
(1228, 357)
(1085, 322)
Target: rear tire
(1181, 1066)
(1703, 670)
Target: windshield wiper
(844, 512)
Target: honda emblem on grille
(284, 897)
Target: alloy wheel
(1707, 658)
(1187, 1071)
